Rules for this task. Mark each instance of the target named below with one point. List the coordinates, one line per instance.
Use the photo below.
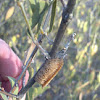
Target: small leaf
(53, 13)
(81, 24)
(12, 80)
(0, 84)
(32, 46)
(78, 23)
(70, 30)
(3, 96)
(9, 12)
(92, 76)
(94, 49)
(98, 77)
(94, 97)
(72, 73)
(14, 39)
(85, 27)
(38, 7)
(41, 17)
(31, 93)
(81, 53)
(32, 1)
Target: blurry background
(79, 78)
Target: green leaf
(12, 82)
(32, 1)
(92, 76)
(85, 27)
(98, 77)
(53, 13)
(16, 90)
(38, 8)
(31, 93)
(0, 83)
(3, 96)
(41, 17)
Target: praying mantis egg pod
(48, 71)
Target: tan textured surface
(48, 71)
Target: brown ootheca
(48, 71)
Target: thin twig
(8, 94)
(69, 41)
(20, 4)
(62, 53)
(83, 85)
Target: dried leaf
(9, 12)
(29, 52)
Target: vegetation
(79, 79)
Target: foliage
(80, 75)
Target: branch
(35, 49)
(24, 90)
(8, 94)
(64, 23)
(57, 40)
(56, 43)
